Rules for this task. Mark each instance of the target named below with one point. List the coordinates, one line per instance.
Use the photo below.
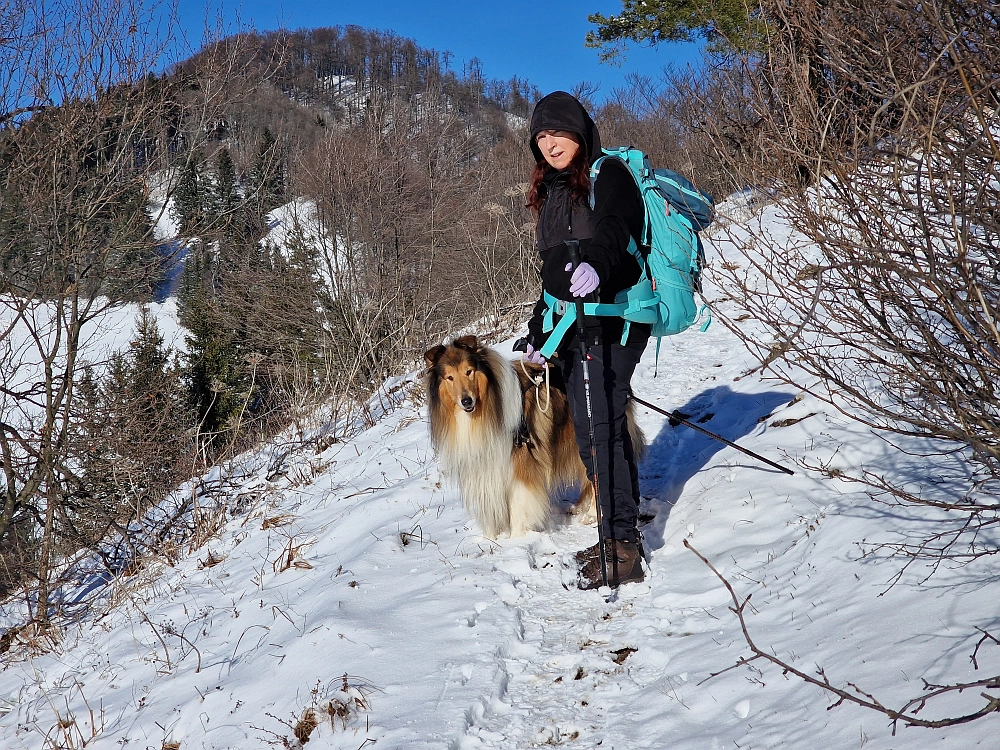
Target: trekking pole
(680, 418)
(574, 256)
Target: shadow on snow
(677, 454)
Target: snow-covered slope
(346, 578)
(30, 333)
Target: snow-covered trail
(355, 560)
(584, 669)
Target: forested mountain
(404, 173)
(325, 66)
(255, 101)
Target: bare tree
(424, 231)
(876, 126)
(414, 228)
(888, 304)
(85, 132)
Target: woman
(565, 142)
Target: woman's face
(558, 147)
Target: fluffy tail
(639, 446)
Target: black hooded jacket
(603, 232)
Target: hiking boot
(624, 565)
(584, 556)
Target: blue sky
(540, 41)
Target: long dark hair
(579, 179)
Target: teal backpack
(670, 257)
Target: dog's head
(455, 373)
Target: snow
(109, 330)
(345, 577)
(298, 222)
(160, 207)
(297, 216)
(516, 122)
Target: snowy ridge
(345, 578)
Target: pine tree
(192, 197)
(225, 197)
(15, 249)
(137, 427)
(212, 365)
(132, 265)
(726, 24)
(266, 181)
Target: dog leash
(538, 387)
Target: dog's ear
(467, 342)
(432, 355)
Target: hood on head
(562, 111)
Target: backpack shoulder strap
(638, 165)
(595, 169)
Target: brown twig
(858, 697)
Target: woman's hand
(584, 279)
(532, 355)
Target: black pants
(611, 366)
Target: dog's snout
(468, 403)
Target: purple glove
(584, 280)
(532, 355)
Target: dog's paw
(585, 512)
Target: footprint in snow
(473, 619)
(508, 594)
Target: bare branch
(856, 695)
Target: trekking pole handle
(573, 247)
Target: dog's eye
(468, 372)
(451, 377)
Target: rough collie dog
(507, 443)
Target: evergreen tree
(126, 252)
(238, 221)
(15, 251)
(192, 198)
(726, 24)
(225, 197)
(213, 365)
(266, 181)
(137, 426)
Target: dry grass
(339, 706)
(291, 556)
(282, 519)
(210, 561)
(304, 727)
